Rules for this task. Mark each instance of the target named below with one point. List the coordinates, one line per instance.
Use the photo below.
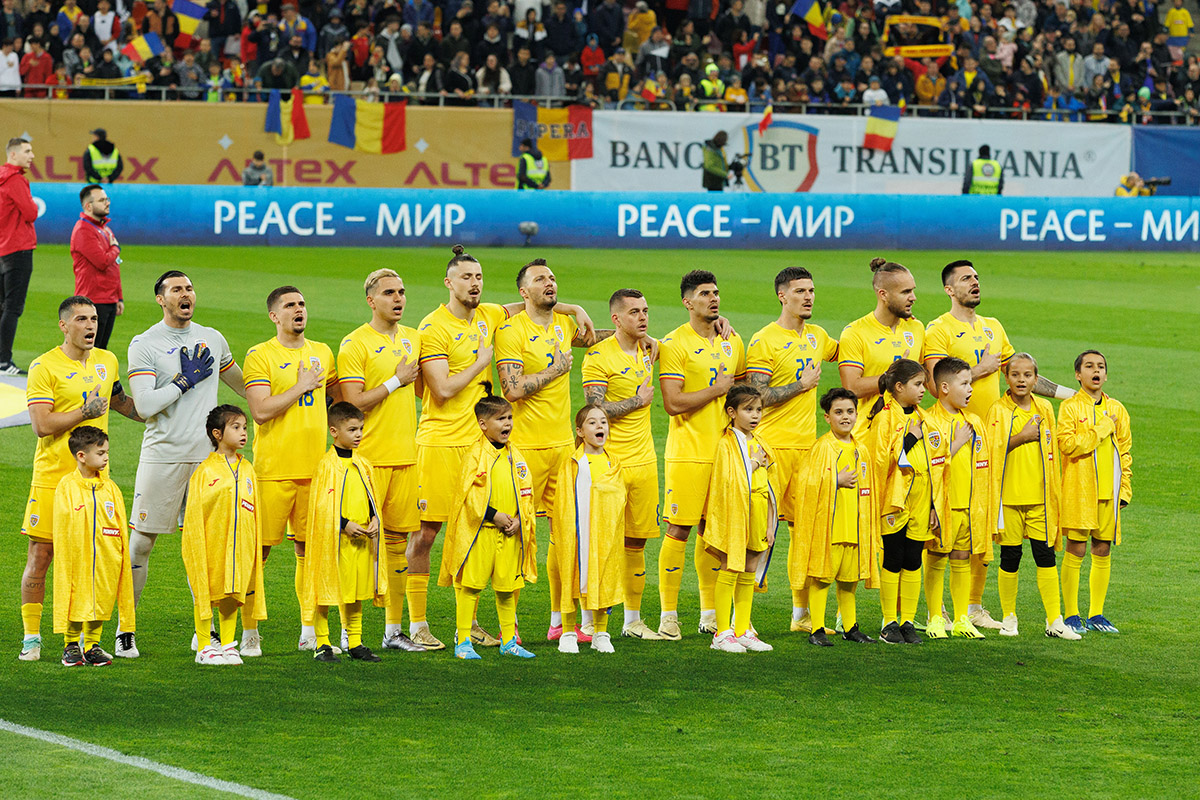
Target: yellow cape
(1078, 438)
(727, 520)
(91, 553)
(222, 536)
(1000, 429)
(605, 533)
(471, 496)
(979, 506)
(809, 553)
(885, 441)
(325, 531)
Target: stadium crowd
(1102, 60)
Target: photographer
(1133, 185)
(716, 169)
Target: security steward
(711, 88)
(102, 160)
(533, 170)
(986, 175)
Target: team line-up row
(892, 494)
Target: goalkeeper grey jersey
(175, 435)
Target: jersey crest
(102, 371)
(407, 346)
(988, 333)
(812, 341)
(522, 470)
(935, 439)
(558, 333)
(110, 509)
(33, 520)
(908, 338)
(483, 329)
(727, 349)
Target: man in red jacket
(36, 67)
(96, 256)
(17, 240)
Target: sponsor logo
(246, 504)
(111, 531)
(522, 470)
(783, 158)
(110, 508)
(727, 349)
(935, 439)
(935, 462)
(526, 491)
(864, 492)
(908, 338)
(981, 464)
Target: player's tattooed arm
(517, 385)
(123, 403)
(774, 395)
(1048, 388)
(585, 339)
(617, 408)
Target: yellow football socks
(978, 579)
(465, 602)
(670, 572)
(397, 561)
(321, 625)
(600, 620)
(1098, 583)
(351, 614)
(707, 567)
(226, 612)
(554, 576)
(635, 577)
(1072, 564)
(818, 596)
(74, 629)
(800, 597)
(723, 593)
(91, 633)
(506, 611)
(301, 581)
(1007, 584)
(889, 590)
(249, 623)
(935, 581)
(1047, 578)
(743, 599)
(31, 617)
(960, 586)
(847, 605)
(203, 626)
(910, 592)
(418, 595)
(570, 618)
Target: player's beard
(470, 301)
(546, 303)
(900, 311)
(970, 301)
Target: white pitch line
(178, 774)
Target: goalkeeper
(172, 374)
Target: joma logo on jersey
(380, 348)
(285, 365)
(880, 341)
(72, 375)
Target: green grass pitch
(1108, 716)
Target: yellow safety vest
(985, 176)
(536, 170)
(712, 89)
(103, 165)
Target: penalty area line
(187, 776)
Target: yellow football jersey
(782, 355)
(687, 357)
(870, 344)
(1024, 480)
(845, 510)
(288, 447)
(369, 357)
(446, 337)
(621, 374)
(947, 336)
(503, 484)
(961, 465)
(1105, 455)
(543, 419)
(61, 383)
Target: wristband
(392, 384)
(182, 383)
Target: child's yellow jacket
(91, 553)
(1080, 432)
(1001, 428)
(727, 520)
(589, 532)
(222, 535)
(471, 499)
(894, 483)
(979, 507)
(809, 552)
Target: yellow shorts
(284, 507)
(895, 523)
(641, 504)
(544, 464)
(356, 568)
(1023, 522)
(846, 562)
(957, 533)
(687, 492)
(493, 557)
(396, 490)
(438, 471)
(788, 461)
(39, 514)
(1108, 526)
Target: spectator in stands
(389, 40)
(468, 25)
(10, 69)
(616, 76)
(492, 79)
(685, 93)
(551, 81)
(277, 74)
(500, 15)
(224, 26)
(561, 37)
(523, 73)
(296, 54)
(608, 23)
(592, 58)
(333, 33)
(189, 77)
(431, 79)
(1179, 30)
(36, 67)
(257, 173)
(876, 96)
(418, 11)
(12, 24)
(314, 85)
(654, 55)
(265, 38)
(294, 24)
(1069, 72)
(337, 66)
(460, 83)
(530, 33)
(107, 68)
(454, 43)
(733, 20)
(492, 44)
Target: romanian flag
(144, 47)
(189, 15)
(650, 91)
(562, 134)
(369, 127)
(810, 12)
(882, 123)
(285, 118)
(768, 118)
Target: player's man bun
(877, 262)
(880, 267)
(458, 249)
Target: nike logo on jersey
(72, 375)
